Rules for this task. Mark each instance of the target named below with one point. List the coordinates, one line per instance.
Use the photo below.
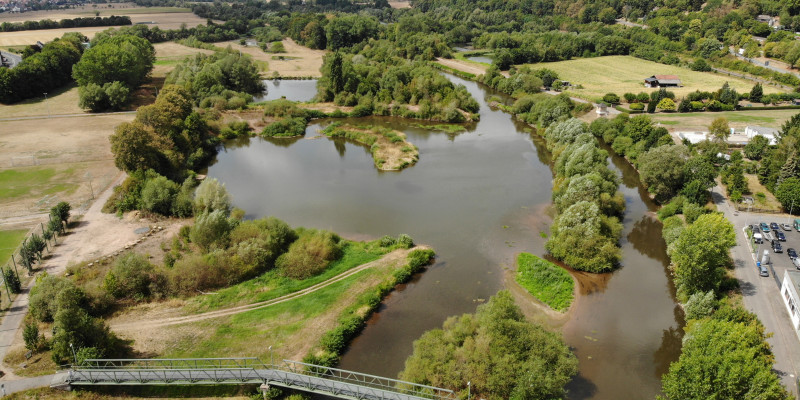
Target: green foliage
(30, 334)
(497, 350)
(661, 170)
(788, 194)
(43, 298)
(701, 254)
(310, 254)
(726, 360)
(125, 58)
(110, 96)
(211, 230)
(61, 211)
(611, 98)
(158, 195)
(211, 196)
(700, 305)
(133, 277)
(42, 71)
(218, 78)
(288, 127)
(756, 147)
(12, 280)
(666, 104)
(549, 283)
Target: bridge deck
(292, 375)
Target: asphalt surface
(761, 295)
(11, 58)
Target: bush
(158, 195)
(405, 241)
(636, 106)
(211, 196)
(611, 98)
(211, 230)
(43, 303)
(133, 277)
(12, 279)
(31, 336)
(700, 305)
(289, 127)
(310, 254)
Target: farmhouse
(769, 133)
(662, 81)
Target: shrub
(636, 106)
(43, 298)
(31, 336)
(700, 305)
(211, 196)
(286, 128)
(310, 254)
(611, 98)
(158, 195)
(211, 230)
(12, 279)
(283, 108)
(629, 97)
(133, 277)
(405, 241)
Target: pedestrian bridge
(237, 371)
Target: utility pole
(47, 104)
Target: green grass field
(548, 282)
(271, 284)
(621, 74)
(16, 183)
(737, 119)
(9, 240)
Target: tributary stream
(478, 198)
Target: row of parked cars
(777, 231)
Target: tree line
(65, 23)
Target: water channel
(478, 198)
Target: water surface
(478, 198)
(291, 89)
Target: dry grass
(769, 202)
(163, 17)
(737, 119)
(71, 147)
(299, 61)
(63, 100)
(400, 4)
(621, 74)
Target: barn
(662, 81)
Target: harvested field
(621, 74)
(163, 17)
(299, 61)
(55, 159)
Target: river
(478, 198)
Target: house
(602, 109)
(769, 133)
(790, 298)
(662, 81)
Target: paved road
(11, 58)
(762, 296)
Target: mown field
(621, 74)
(9, 240)
(700, 121)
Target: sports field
(621, 74)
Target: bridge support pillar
(264, 389)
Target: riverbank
(389, 148)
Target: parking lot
(779, 261)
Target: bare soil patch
(463, 65)
(400, 4)
(299, 61)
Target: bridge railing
(361, 379)
(174, 363)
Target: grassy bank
(389, 148)
(549, 283)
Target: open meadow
(738, 120)
(297, 61)
(9, 240)
(622, 74)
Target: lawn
(16, 183)
(737, 119)
(549, 283)
(621, 74)
(9, 240)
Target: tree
(61, 211)
(158, 195)
(727, 95)
(481, 344)
(30, 334)
(756, 148)
(12, 279)
(788, 193)
(701, 253)
(666, 104)
(211, 229)
(756, 92)
(723, 359)
(133, 145)
(125, 58)
(662, 170)
(719, 129)
(212, 196)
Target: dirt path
(462, 66)
(145, 323)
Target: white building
(693, 137)
(790, 297)
(769, 133)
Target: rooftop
(763, 130)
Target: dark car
(780, 236)
(764, 227)
(774, 226)
(776, 246)
(791, 253)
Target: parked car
(764, 227)
(755, 228)
(786, 227)
(791, 253)
(774, 226)
(780, 236)
(762, 270)
(796, 263)
(776, 246)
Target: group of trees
(224, 80)
(497, 350)
(65, 23)
(42, 71)
(110, 69)
(380, 84)
(586, 231)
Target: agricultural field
(621, 74)
(163, 17)
(737, 119)
(297, 61)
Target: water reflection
(290, 89)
